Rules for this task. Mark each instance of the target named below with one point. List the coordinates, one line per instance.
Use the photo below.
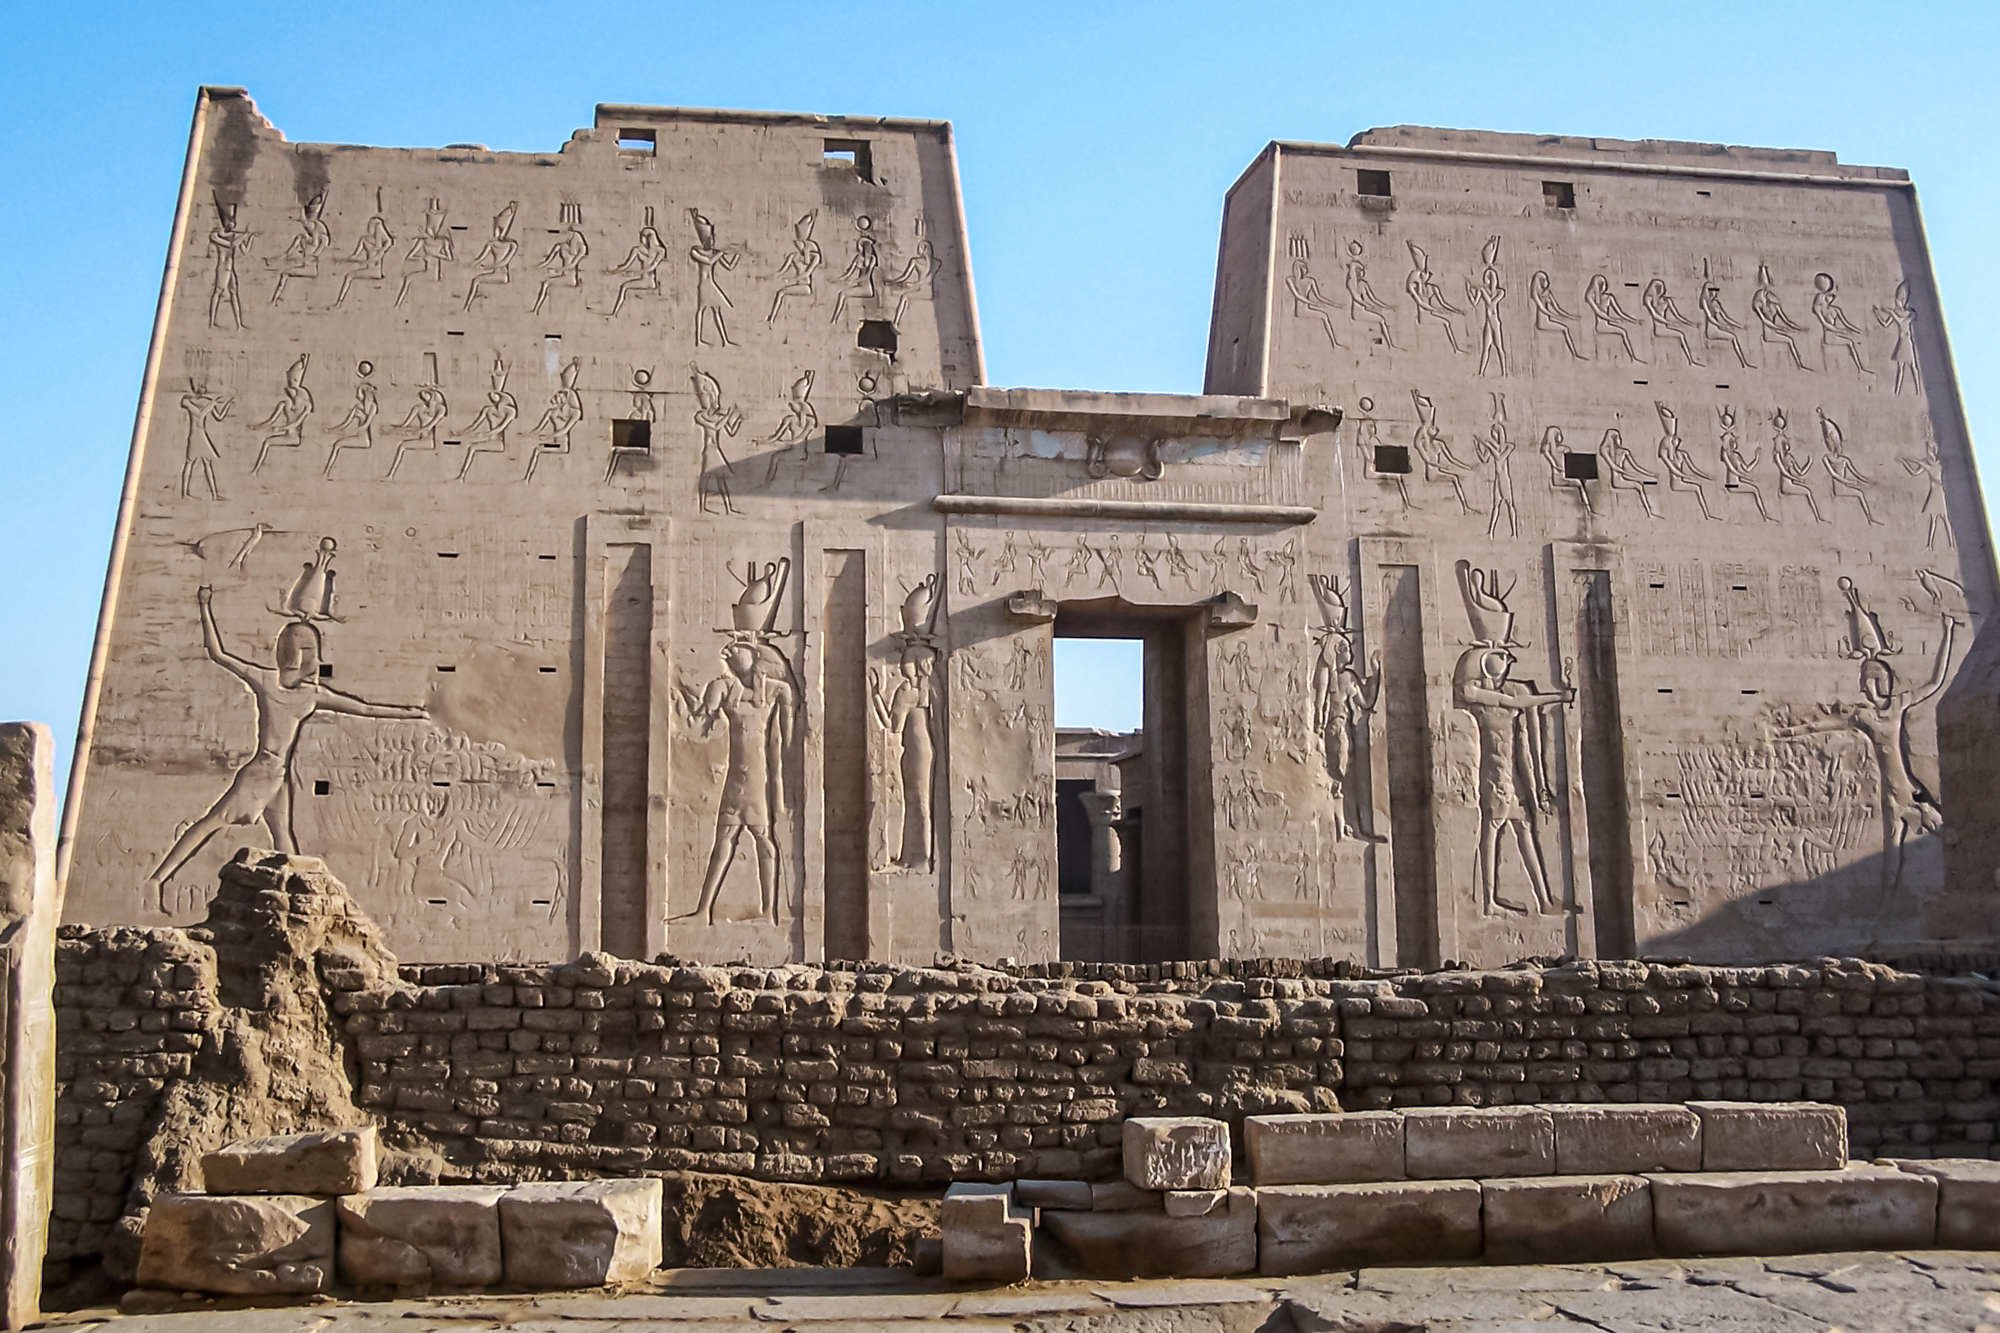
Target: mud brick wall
(908, 1078)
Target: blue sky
(1095, 140)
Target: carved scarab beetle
(1125, 458)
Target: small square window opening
(1559, 194)
(322, 787)
(1580, 467)
(639, 141)
(631, 434)
(877, 335)
(849, 155)
(1372, 183)
(843, 439)
(326, 670)
(1392, 458)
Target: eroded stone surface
(987, 1236)
(1968, 1214)
(1071, 1194)
(1140, 1244)
(334, 1161)
(1315, 1228)
(1786, 1136)
(1605, 1140)
(261, 1245)
(1792, 1212)
(580, 1233)
(1176, 1153)
(1447, 1143)
(429, 1237)
(1324, 1149)
(1566, 1219)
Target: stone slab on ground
(1774, 1136)
(1566, 1219)
(1602, 1140)
(428, 1236)
(334, 1161)
(987, 1236)
(259, 1245)
(1319, 1228)
(1141, 1244)
(1793, 1212)
(1072, 1194)
(1681, 1308)
(1179, 1295)
(580, 1233)
(1029, 1304)
(1176, 1152)
(1471, 1142)
(1968, 1199)
(1324, 1149)
(884, 1305)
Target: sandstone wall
(906, 1077)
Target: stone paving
(1911, 1292)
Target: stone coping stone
(1074, 1195)
(433, 1237)
(334, 1161)
(1794, 1212)
(1606, 1139)
(987, 1236)
(1222, 1243)
(243, 1245)
(1476, 1142)
(1772, 1136)
(1324, 1149)
(1321, 1228)
(1567, 1219)
(1122, 1196)
(580, 1233)
(1176, 1152)
(1968, 1215)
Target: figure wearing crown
(905, 708)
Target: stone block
(987, 1236)
(1567, 1219)
(423, 1237)
(580, 1233)
(1774, 1136)
(1071, 1194)
(1471, 1142)
(1137, 1244)
(1176, 1153)
(1320, 1228)
(1607, 1140)
(334, 1161)
(1194, 1203)
(257, 1245)
(1793, 1212)
(1122, 1196)
(1968, 1213)
(1324, 1149)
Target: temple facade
(620, 548)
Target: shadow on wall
(1848, 911)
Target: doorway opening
(1122, 778)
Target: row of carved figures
(1709, 330)
(1431, 459)
(1025, 560)
(801, 278)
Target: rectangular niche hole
(321, 787)
(1656, 585)
(544, 557)
(435, 902)
(628, 435)
(1392, 458)
(639, 141)
(448, 555)
(1665, 690)
(843, 439)
(1702, 193)
(877, 335)
(849, 155)
(447, 669)
(1739, 587)
(547, 671)
(1749, 691)
(326, 670)
(1559, 194)
(1642, 381)
(1580, 467)
(1374, 184)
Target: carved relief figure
(1835, 328)
(1931, 468)
(430, 252)
(1668, 321)
(1550, 317)
(286, 426)
(1422, 285)
(227, 243)
(857, 281)
(904, 707)
(641, 270)
(371, 253)
(1485, 297)
(1881, 717)
(795, 275)
(1607, 316)
(563, 264)
(420, 427)
(1626, 474)
(356, 430)
(1308, 300)
(203, 409)
(1717, 326)
(917, 280)
(1899, 315)
(1515, 793)
(1497, 452)
(1367, 441)
(495, 261)
(1559, 479)
(1363, 306)
(1682, 474)
(795, 427)
(1736, 469)
(1770, 312)
(1847, 478)
(286, 695)
(1123, 458)
(486, 433)
(758, 700)
(1428, 443)
(714, 420)
(1792, 468)
(302, 252)
(709, 298)
(562, 416)
(1342, 700)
